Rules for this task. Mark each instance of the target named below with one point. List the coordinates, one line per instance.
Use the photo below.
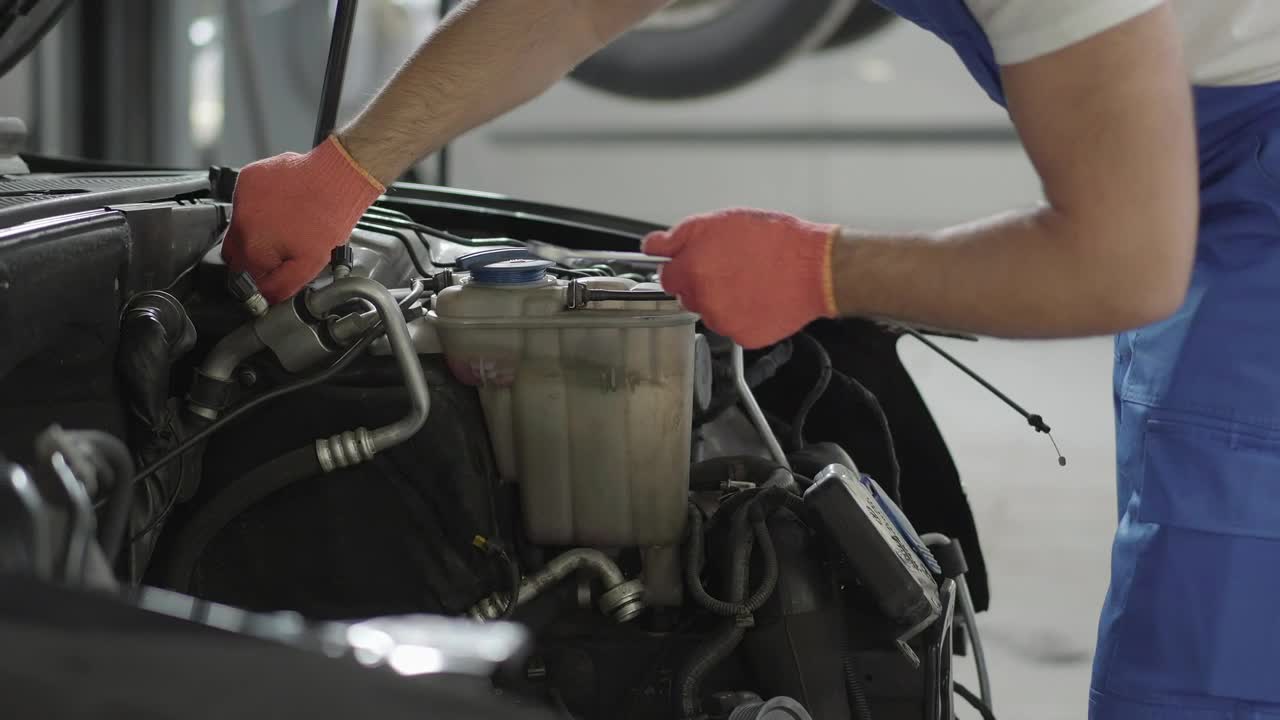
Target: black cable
(1035, 421)
(869, 399)
(409, 224)
(395, 218)
(322, 376)
(426, 244)
(975, 701)
(169, 504)
(815, 394)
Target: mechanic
(1099, 93)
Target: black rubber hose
(703, 660)
(714, 651)
(770, 559)
(768, 365)
(754, 532)
(856, 690)
(893, 483)
(972, 698)
(823, 361)
(237, 497)
(693, 568)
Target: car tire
(739, 44)
(865, 20)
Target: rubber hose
(766, 367)
(857, 691)
(706, 657)
(815, 393)
(892, 484)
(742, 543)
(973, 699)
(770, 553)
(693, 569)
(723, 643)
(227, 505)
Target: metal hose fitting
(345, 449)
(622, 600)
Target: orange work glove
(289, 213)
(754, 276)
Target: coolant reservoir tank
(589, 409)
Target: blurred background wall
(889, 133)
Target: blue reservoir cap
(504, 266)
(480, 258)
(512, 272)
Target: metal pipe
(230, 351)
(622, 599)
(401, 343)
(81, 524)
(23, 489)
(753, 409)
(335, 70)
(979, 655)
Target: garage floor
(1046, 530)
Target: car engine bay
(450, 458)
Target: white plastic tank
(589, 408)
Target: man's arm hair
(1108, 125)
(486, 58)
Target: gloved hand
(289, 213)
(754, 276)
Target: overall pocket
(1201, 615)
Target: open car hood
(22, 24)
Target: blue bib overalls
(1191, 624)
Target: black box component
(848, 508)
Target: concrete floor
(1046, 530)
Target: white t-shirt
(1227, 42)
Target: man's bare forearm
(488, 57)
(1020, 275)
(1108, 124)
